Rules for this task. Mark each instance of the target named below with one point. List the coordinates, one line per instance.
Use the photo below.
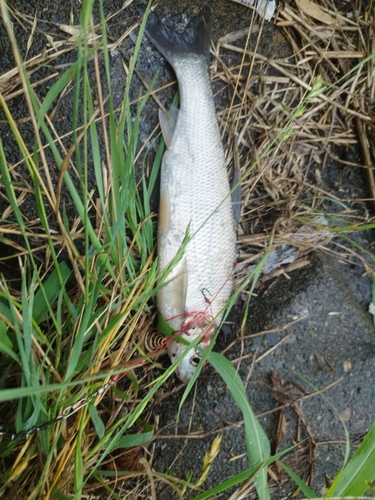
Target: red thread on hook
(201, 319)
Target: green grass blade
(359, 472)
(23, 392)
(229, 483)
(78, 463)
(97, 421)
(89, 314)
(258, 446)
(308, 492)
(6, 344)
(49, 291)
(5, 349)
(134, 440)
(59, 495)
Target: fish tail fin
(195, 39)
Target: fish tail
(195, 39)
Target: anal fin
(171, 297)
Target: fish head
(188, 364)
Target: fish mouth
(194, 325)
(187, 366)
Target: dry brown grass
(290, 116)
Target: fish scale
(195, 194)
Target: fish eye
(195, 360)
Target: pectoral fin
(168, 122)
(171, 298)
(179, 290)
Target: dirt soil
(310, 370)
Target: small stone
(347, 365)
(345, 415)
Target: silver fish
(195, 196)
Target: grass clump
(83, 310)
